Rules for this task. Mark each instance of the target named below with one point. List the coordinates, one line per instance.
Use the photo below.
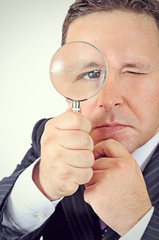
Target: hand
(66, 156)
(117, 191)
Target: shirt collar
(143, 154)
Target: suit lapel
(151, 176)
(83, 222)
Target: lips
(110, 128)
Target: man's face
(127, 108)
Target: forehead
(118, 33)
(114, 21)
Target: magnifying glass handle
(76, 106)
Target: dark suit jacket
(73, 218)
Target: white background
(30, 33)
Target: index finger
(109, 148)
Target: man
(89, 173)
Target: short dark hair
(84, 7)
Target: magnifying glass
(78, 71)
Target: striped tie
(109, 234)
(106, 232)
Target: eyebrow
(91, 65)
(85, 66)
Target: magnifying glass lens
(78, 71)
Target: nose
(111, 95)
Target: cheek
(88, 106)
(152, 110)
(140, 94)
(146, 107)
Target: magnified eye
(95, 74)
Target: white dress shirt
(26, 213)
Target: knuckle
(120, 165)
(64, 172)
(86, 176)
(87, 141)
(107, 176)
(57, 155)
(88, 158)
(50, 149)
(46, 140)
(48, 135)
(90, 173)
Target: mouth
(110, 128)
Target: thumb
(109, 148)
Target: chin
(130, 147)
(127, 141)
